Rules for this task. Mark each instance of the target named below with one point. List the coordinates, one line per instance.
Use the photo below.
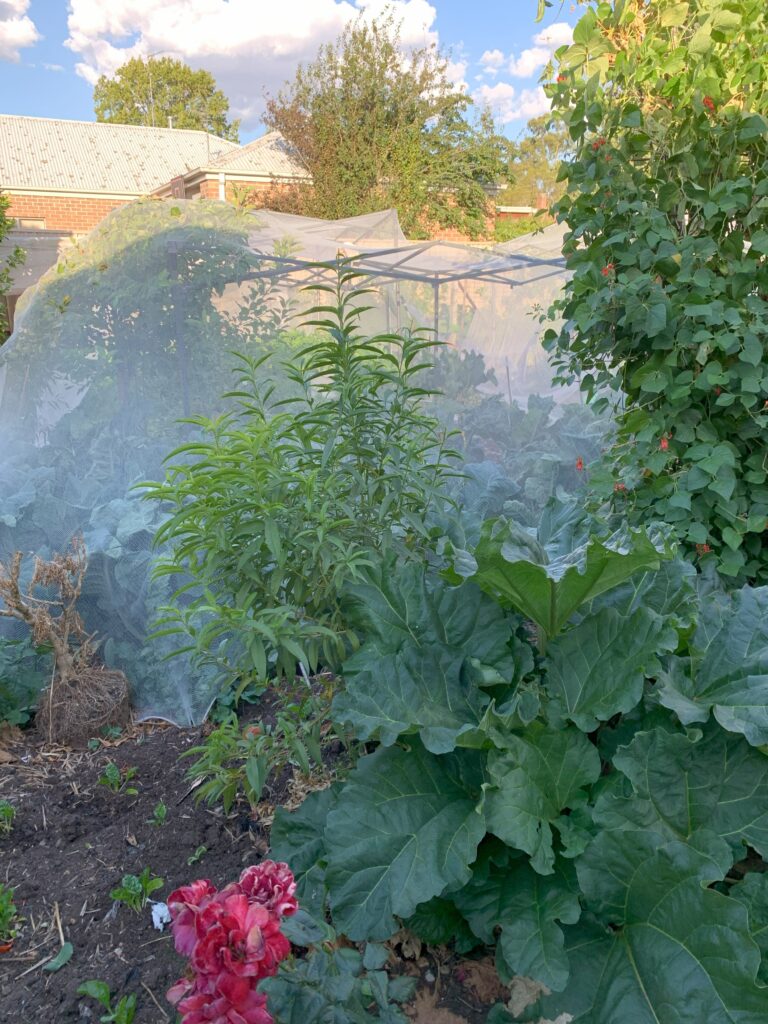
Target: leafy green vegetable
(533, 781)
(405, 828)
(727, 671)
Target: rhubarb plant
(570, 762)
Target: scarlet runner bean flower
(232, 938)
(579, 463)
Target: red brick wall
(65, 212)
(209, 187)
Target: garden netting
(135, 329)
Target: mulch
(72, 842)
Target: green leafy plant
(116, 779)
(9, 915)
(24, 672)
(236, 759)
(569, 764)
(121, 1012)
(135, 891)
(197, 856)
(7, 817)
(278, 505)
(666, 303)
(159, 814)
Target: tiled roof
(86, 156)
(270, 156)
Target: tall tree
(535, 161)
(378, 125)
(14, 259)
(149, 92)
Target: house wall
(65, 212)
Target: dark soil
(72, 842)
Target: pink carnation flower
(184, 904)
(239, 937)
(271, 885)
(233, 1001)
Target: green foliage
(149, 92)
(279, 504)
(116, 779)
(507, 228)
(406, 142)
(666, 300)
(23, 674)
(121, 1012)
(7, 817)
(15, 259)
(159, 814)
(334, 983)
(236, 759)
(572, 817)
(135, 891)
(8, 914)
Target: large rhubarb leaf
(431, 689)
(526, 907)
(511, 566)
(297, 837)
(395, 609)
(598, 668)
(663, 948)
(728, 670)
(682, 783)
(753, 893)
(427, 650)
(533, 781)
(406, 827)
(670, 592)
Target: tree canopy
(535, 162)
(379, 125)
(149, 92)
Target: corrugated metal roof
(270, 156)
(86, 156)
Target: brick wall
(63, 213)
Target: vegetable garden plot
(135, 331)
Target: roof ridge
(115, 124)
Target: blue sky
(52, 51)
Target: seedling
(121, 1013)
(198, 855)
(159, 814)
(136, 890)
(7, 815)
(116, 780)
(8, 914)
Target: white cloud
(491, 61)
(17, 30)
(509, 105)
(555, 35)
(250, 48)
(54, 67)
(457, 74)
(529, 62)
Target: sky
(53, 51)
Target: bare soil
(72, 842)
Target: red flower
(184, 904)
(664, 443)
(703, 549)
(619, 487)
(561, 78)
(718, 391)
(270, 885)
(709, 103)
(231, 1001)
(579, 463)
(608, 269)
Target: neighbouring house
(63, 177)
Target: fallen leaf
(424, 1010)
(523, 992)
(5, 757)
(482, 978)
(130, 838)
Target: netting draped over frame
(134, 330)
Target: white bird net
(134, 330)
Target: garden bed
(73, 840)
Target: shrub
(277, 505)
(667, 299)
